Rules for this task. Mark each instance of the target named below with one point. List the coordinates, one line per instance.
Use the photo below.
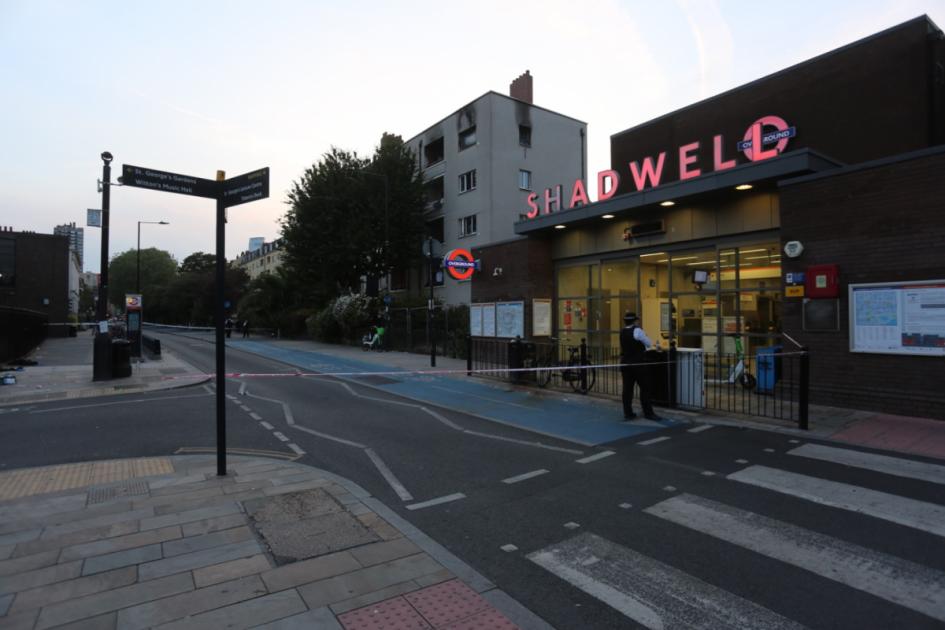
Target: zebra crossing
(655, 594)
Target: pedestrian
(633, 346)
(245, 328)
(229, 327)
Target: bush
(458, 318)
(323, 327)
(346, 318)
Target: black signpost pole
(220, 316)
(431, 329)
(101, 353)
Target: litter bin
(659, 376)
(690, 377)
(121, 358)
(516, 358)
(767, 368)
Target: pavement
(165, 542)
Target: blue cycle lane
(574, 421)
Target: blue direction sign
(245, 188)
(141, 177)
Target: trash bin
(690, 377)
(516, 359)
(659, 376)
(767, 368)
(121, 358)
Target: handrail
(792, 340)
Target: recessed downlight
(667, 203)
(559, 227)
(607, 216)
(743, 187)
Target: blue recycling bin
(767, 368)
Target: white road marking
(389, 476)
(242, 389)
(669, 488)
(208, 389)
(295, 447)
(927, 517)
(442, 419)
(595, 457)
(893, 579)
(117, 402)
(701, 428)
(502, 438)
(254, 415)
(231, 396)
(571, 525)
(794, 441)
(439, 500)
(741, 461)
(245, 408)
(625, 506)
(649, 592)
(524, 476)
(267, 426)
(708, 473)
(769, 450)
(879, 463)
(653, 441)
(280, 436)
(508, 548)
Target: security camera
(497, 272)
(107, 157)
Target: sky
(197, 86)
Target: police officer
(633, 346)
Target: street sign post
(238, 190)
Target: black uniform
(633, 351)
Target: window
(467, 138)
(433, 152)
(467, 181)
(433, 194)
(435, 229)
(467, 225)
(525, 135)
(525, 180)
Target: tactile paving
(448, 602)
(392, 614)
(490, 619)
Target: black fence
(771, 383)
(407, 331)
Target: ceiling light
(753, 251)
(704, 262)
(678, 258)
(667, 203)
(743, 187)
(756, 257)
(607, 216)
(559, 227)
(656, 254)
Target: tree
(336, 229)
(158, 269)
(198, 261)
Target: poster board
(488, 320)
(510, 319)
(541, 318)
(898, 318)
(475, 320)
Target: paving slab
(207, 541)
(320, 618)
(72, 589)
(129, 557)
(197, 559)
(245, 614)
(120, 543)
(39, 577)
(312, 570)
(231, 569)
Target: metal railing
(770, 383)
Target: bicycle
(570, 372)
(739, 372)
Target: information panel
(898, 318)
(488, 320)
(475, 320)
(510, 319)
(541, 318)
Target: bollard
(803, 395)
(583, 363)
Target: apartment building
(265, 258)
(477, 165)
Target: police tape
(447, 372)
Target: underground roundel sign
(459, 263)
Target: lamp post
(138, 266)
(101, 357)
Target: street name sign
(141, 177)
(245, 188)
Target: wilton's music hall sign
(765, 138)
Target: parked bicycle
(739, 372)
(569, 372)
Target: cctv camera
(107, 157)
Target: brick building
(762, 214)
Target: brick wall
(880, 224)
(527, 272)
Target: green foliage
(345, 318)
(189, 297)
(458, 318)
(273, 300)
(86, 302)
(198, 262)
(158, 269)
(349, 217)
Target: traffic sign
(245, 188)
(460, 264)
(141, 177)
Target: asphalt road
(722, 527)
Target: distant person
(229, 327)
(245, 328)
(633, 346)
(380, 336)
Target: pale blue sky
(193, 87)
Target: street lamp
(138, 266)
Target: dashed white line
(267, 426)
(625, 506)
(439, 500)
(242, 389)
(653, 441)
(390, 478)
(524, 476)
(508, 548)
(741, 461)
(231, 396)
(281, 437)
(595, 457)
(701, 428)
(254, 415)
(295, 448)
(571, 525)
(245, 408)
(708, 473)
(769, 450)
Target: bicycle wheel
(574, 376)
(545, 375)
(747, 381)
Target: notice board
(510, 319)
(541, 317)
(898, 317)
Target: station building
(806, 208)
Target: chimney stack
(521, 88)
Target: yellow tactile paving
(29, 481)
